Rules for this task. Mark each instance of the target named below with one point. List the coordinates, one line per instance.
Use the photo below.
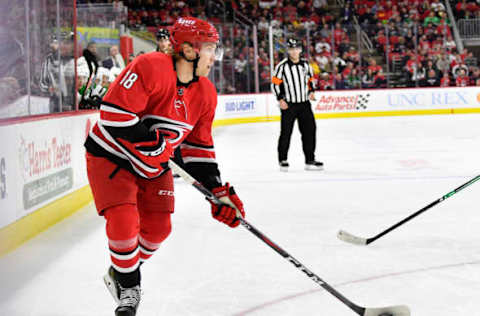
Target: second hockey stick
(347, 237)
(399, 310)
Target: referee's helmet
(293, 43)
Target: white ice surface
(378, 171)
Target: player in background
(165, 46)
(292, 84)
(163, 41)
(158, 102)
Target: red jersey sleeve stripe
(105, 144)
(111, 116)
(187, 143)
(116, 123)
(188, 147)
(111, 109)
(199, 153)
(116, 116)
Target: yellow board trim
(29, 226)
(243, 120)
(258, 119)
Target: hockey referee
(293, 87)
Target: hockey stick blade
(347, 237)
(400, 310)
(343, 235)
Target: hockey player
(163, 41)
(156, 103)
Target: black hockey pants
(306, 124)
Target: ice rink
(378, 171)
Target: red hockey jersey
(147, 92)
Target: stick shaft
(188, 178)
(443, 198)
(359, 310)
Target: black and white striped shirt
(293, 81)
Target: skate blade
(400, 310)
(313, 168)
(110, 284)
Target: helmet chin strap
(195, 65)
(189, 60)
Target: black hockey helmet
(293, 43)
(162, 33)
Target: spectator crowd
(410, 38)
(350, 44)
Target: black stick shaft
(443, 198)
(359, 310)
(209, 195)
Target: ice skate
(127, 299)
(314, 165)
(284, 165)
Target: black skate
(314, 165)
(284, 165)
(127, 299)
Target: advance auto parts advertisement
(388, 100)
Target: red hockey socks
(133, 236)
(154, 229)
(123, 225)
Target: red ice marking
(368, 279)
(414, 163)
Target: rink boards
(42, 166)
(354, 103)
(42, 173)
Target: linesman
(292, 84)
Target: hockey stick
(363, 311)
(347, 237)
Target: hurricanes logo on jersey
(172, 130)
(180, 108)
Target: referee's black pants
(306, 124)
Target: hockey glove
(227, 213)
(149, 156)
